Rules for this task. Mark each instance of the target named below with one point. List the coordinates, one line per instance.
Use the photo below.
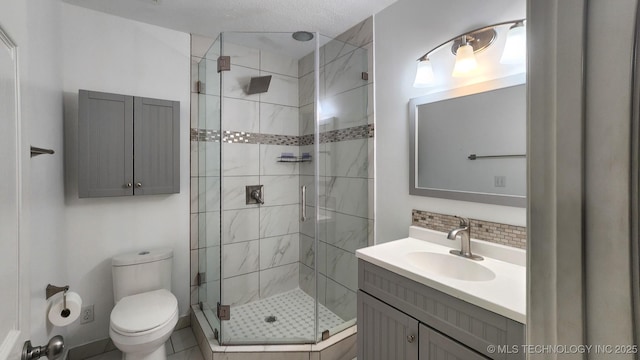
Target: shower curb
(342, 345)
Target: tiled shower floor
(294, 312)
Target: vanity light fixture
(465, 46)
(515, 49)
(424, 74)
(465, 59)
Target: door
(105, 144)
(436, 346)
(156, 146)
(268, 271)
(14, 298)
(385, 332)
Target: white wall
(403, 32)
(43, 102)
(106, 53)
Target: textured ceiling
(210, 17)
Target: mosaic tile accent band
(357, 132)
(504, 234)
(205, 135)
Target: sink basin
(451, 266)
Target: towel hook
(35, 151)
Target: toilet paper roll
(59, 316)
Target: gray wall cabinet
(127, 145)
(399, 318)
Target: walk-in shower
(293, 120)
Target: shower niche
(288, 115)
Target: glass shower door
(268, 117)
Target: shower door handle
(303, 203)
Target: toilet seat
(140, 314)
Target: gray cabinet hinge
(216, 334)
(365, 75)
(325, 335)
(224, 312)
(224, 63)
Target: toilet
(146, 311)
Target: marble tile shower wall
(345, 167)
(259, 243)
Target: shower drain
(270, 319)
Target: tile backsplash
(504, 234)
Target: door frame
(11, 345)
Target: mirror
(470, 144)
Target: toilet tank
(141, 271)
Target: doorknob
(53, 350)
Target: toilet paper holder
(52, 290)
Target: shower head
(258, 84)
(302, 35)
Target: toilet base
(159, 354)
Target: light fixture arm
(425, 56)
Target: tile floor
(294, 320)
(181, 346)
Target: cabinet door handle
(129, 185)
(139, 185)
(411, 339)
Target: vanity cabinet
(399, 318)
(127, 145)
(384, 332)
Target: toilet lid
(142, 312)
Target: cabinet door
(385, 333)
(435, 346)
(105, 144)
(156, 146)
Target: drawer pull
(411, 339)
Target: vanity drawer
(472, 325)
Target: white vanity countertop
(504, 295)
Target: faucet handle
(463, 220)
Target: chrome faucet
(465, 239)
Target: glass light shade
(465, 61)
(515, 48)
(424, 74)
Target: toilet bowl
(141, 324)
(146, 312)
